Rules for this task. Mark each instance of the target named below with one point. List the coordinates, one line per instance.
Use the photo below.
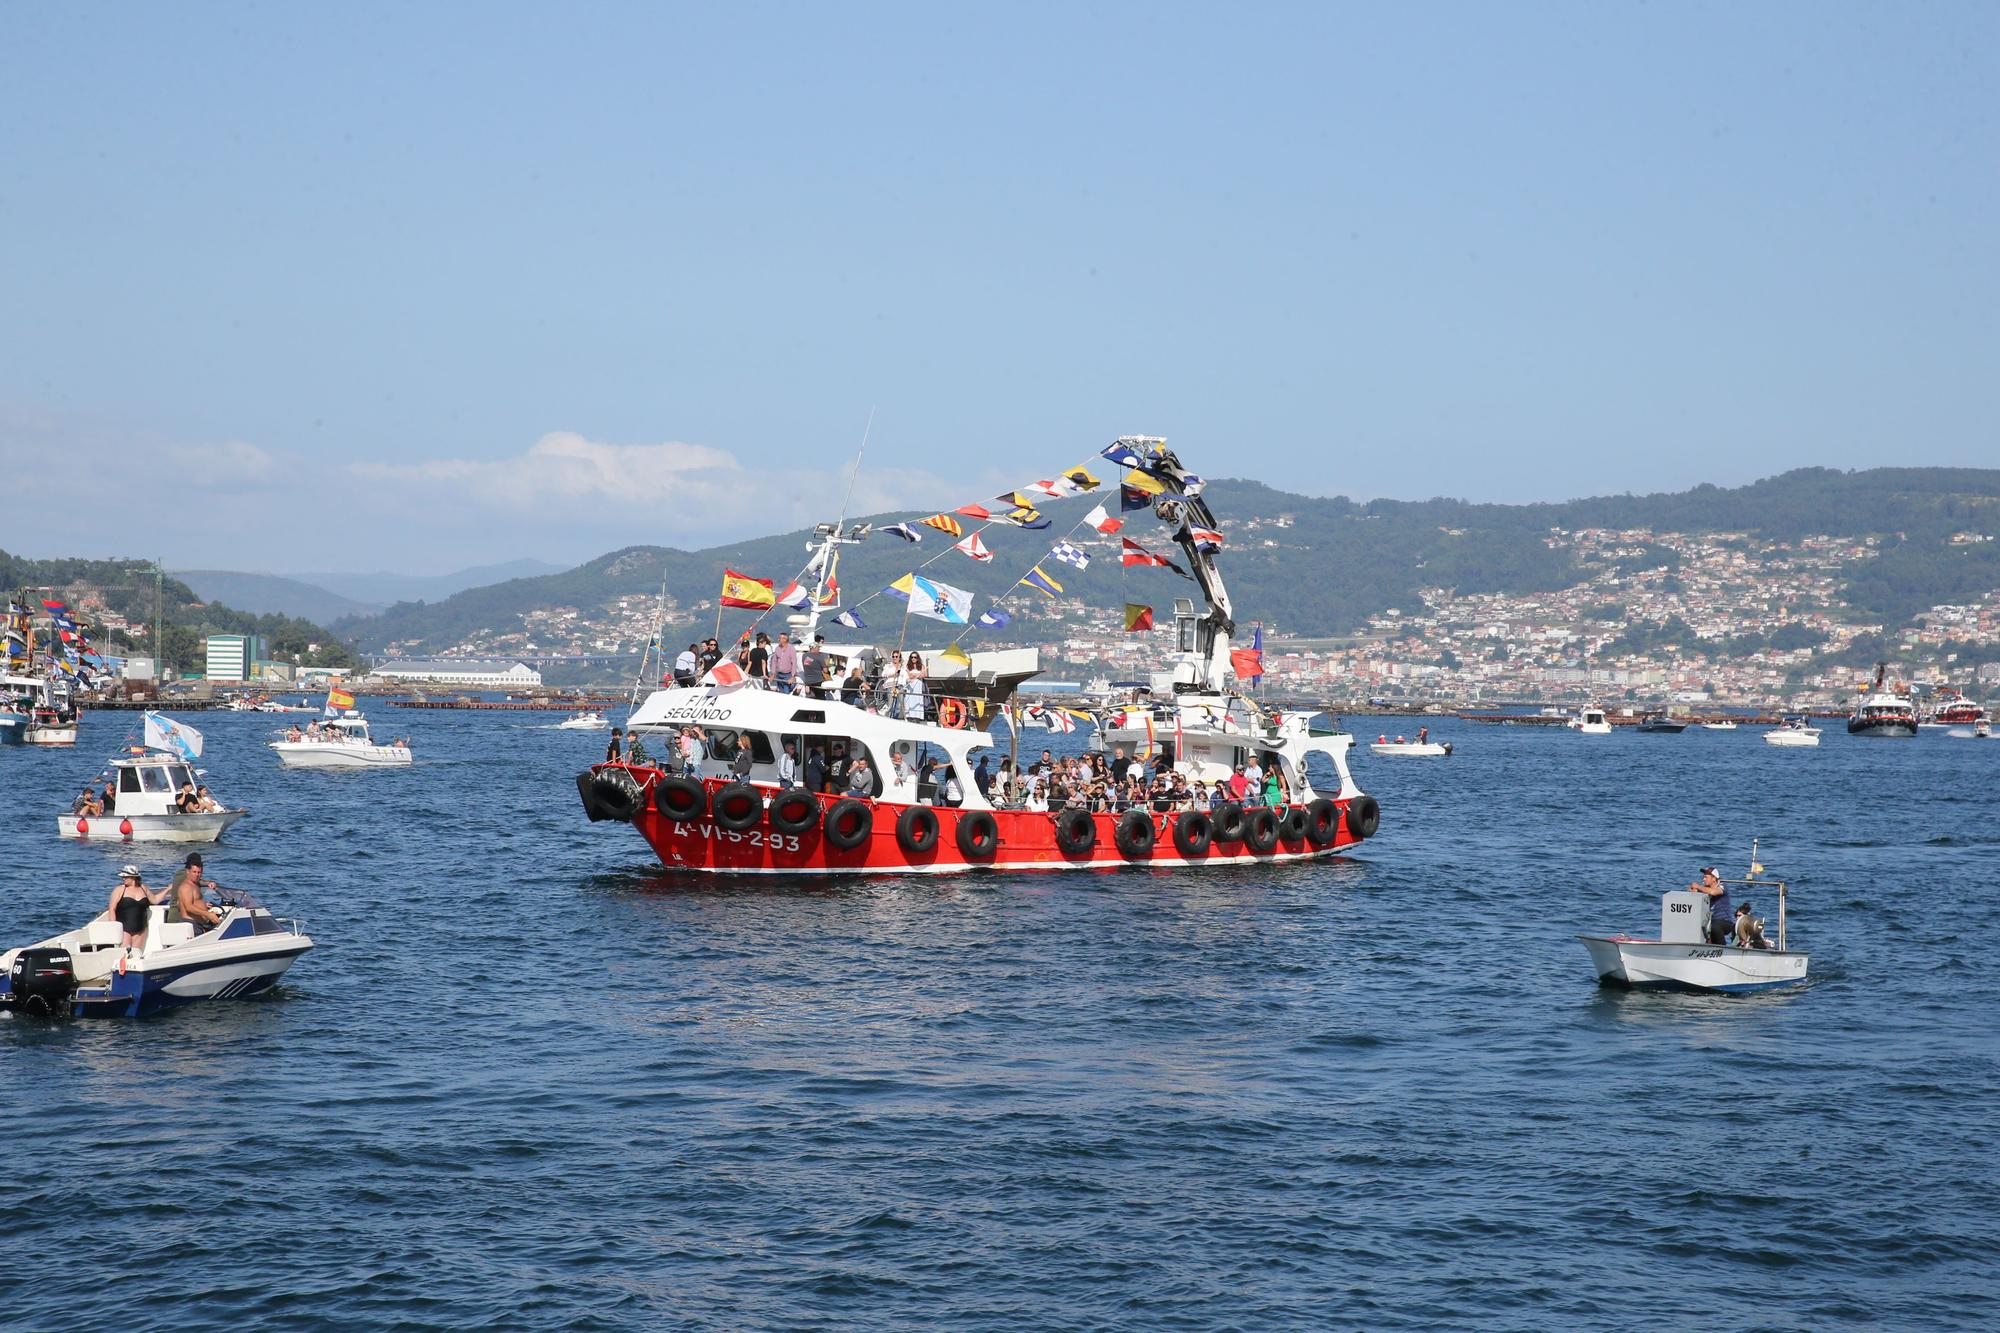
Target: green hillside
(1332, 563)
(127, 587)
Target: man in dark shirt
(812, 668)
(982, 778)
(613, 751)
(815, 770)
(837, 769)
(760, 659)
(1119, 763)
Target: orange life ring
(951, 713)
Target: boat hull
(147, 828)
(1026, 842)
(13, 731)
(62, 735)
(1652, 965)
(1427, 749)
(1857, 726)
(305, 754)
(1792, 739)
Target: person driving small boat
(1720, 918)
(184, 901)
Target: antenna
(830, 538)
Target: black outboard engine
(43, 982)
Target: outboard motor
(43, 982)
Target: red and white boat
(1954, 710)
(714, 821)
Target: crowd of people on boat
(192, 799)
(881, 680)
(330, 735)
(1118, 783)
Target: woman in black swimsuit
(130, 907)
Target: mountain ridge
(1361, 557)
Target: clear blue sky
(321, 278)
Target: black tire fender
(618, 794)
(1228, 822)
(1364, 816)
(1322, 822)
(1292, 825)
(1076, 832)
(1260, 829)
(978, 835)
(1135, 835)
(917, 830)
(1193, 831)
(848, 823)
(737, 807)
(794, 811)
(680, 799)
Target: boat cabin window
(128, 779)
(723, 744)
(809, 715)
(153, 778)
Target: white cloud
(694, 492)
(220, 466)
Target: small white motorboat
(1591, 722)
(1982, 730)
(1682, 957)
(1723, 725)
(583, 721)
(146, 794)
(339, 742)
(1399, 746)
(1793, 731)
(76, 974)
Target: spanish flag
(339, 699)
(1137, 617)
(742, 590)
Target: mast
(1182, 513)
(832, 536)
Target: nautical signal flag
(1137, 617)
(795, 596)
(995, 619)
(724, 675)
(957, 654)
(905, 531)
(1122, 454)
(339, 699)
(1039, 579)
(1247, 663)
(975, 548)
(851, 619)
(945, 523)
(744, 591)
(980, 512)
(1024, 516)
(1136, 554)
(1206, 538)
(1100, 518)
(1071, 555)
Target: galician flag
(938, 601)
(163, 733)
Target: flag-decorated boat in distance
(854, 770)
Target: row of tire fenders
(845, 824)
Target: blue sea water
(526, 1081)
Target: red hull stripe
(1027, 842)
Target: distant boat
(1591, 722)
(1724, 724)
(1682, 957)
(1883, 711)
(583, 721)
(1795, 732)
(1662, 723)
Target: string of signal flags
(1147, 477)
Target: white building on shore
(476, 672)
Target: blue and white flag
(1123, 454)
(936, 601)
(905, 531)
(995, 619)
(163, 733)
(1071, 555)
(851, 619)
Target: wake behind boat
(824, 778)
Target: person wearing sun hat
(131, 907)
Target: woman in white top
(913, 693)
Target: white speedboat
(1683, 959)
(77, 973)
(1591, 722)
(339, 742)
(1793, 731)
(1722, 725)
(1419, 748)
(583, 721)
